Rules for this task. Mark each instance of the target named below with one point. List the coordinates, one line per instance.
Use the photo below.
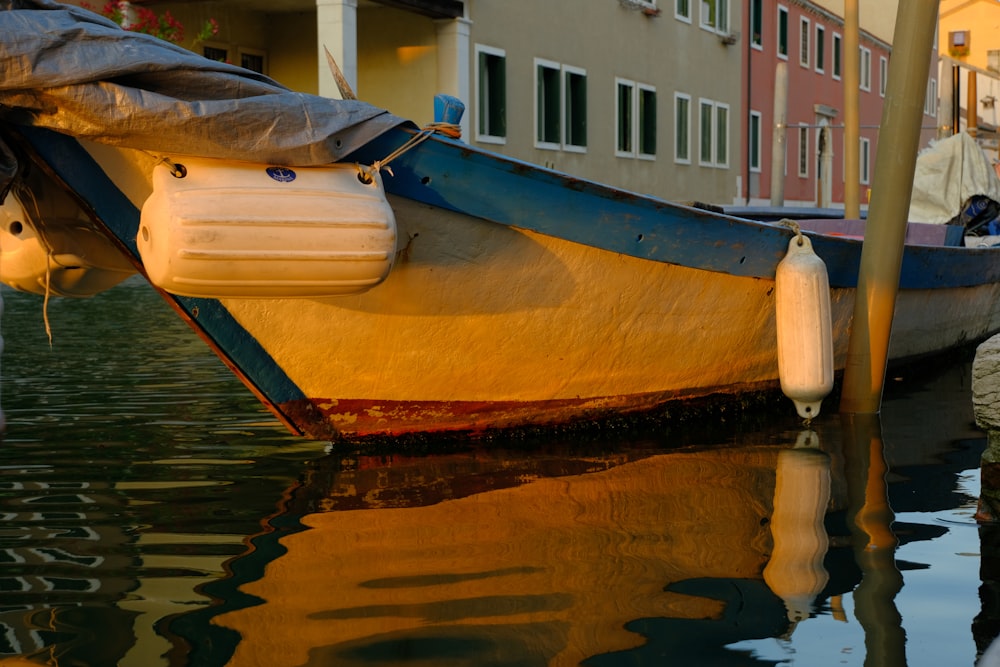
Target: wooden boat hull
(521, 297)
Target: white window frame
(641, 88)
(930, 99)
(481, 135)
(680, 7)
(563, 71)
(757, 40)
(634, 130)
(721, 23)
(782, 12)
(622, 124)
(836, 56)
(803, 155)
(820, 44)
(716, 110)
(541, 63)
(864, 154)
(677, 129)
(756, 136)
(805, 42)
(883, 74)
(865, 64)
(722, 161)
(567, 70)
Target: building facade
(669, 97)
(807, 41)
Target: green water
(148, 505)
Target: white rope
(367, 173)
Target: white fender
(805, 334)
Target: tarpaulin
(75, 72)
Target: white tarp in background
(947, 174)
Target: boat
(369, 279)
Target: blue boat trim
(450, 174)
(71, 164)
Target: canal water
(151, 513)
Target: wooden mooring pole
(885, 231)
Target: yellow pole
(882, 251)
(852, 125)
(971, 106)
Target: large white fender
(805, 334)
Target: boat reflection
(609, 553)
(562, 561)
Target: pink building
(809, 40)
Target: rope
(794, 226)
(35, 217)
(367, 173)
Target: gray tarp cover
(75, 72)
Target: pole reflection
(874, 544)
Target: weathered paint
(520, 296)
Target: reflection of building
(78, 585)
(56, 561)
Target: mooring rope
(367, 173)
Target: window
(865, 160)
(883, 74)
(575, 108)
(757, 23)
(491, 83)
(548, 112)
(782, 32)
(804, 45)
(253, 60)
(820, 49)
(804, 152)
(560, 106)
(682, 10)
(625, 91)
(682, 128)
(721, 135)
(836, 55)
(647, 121)
(930, 100)
(715, 15)
(993, 60)
(713, 133)
(635, 119)
(215, 53)
(755, 141)
(865, 76)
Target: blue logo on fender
(281, 174)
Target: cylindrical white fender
(805, 335)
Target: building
(807, 40)
(660, 116)
(970, 69)
(669, 97)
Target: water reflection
(153, 514)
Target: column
(337, 32)
(453, 62)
